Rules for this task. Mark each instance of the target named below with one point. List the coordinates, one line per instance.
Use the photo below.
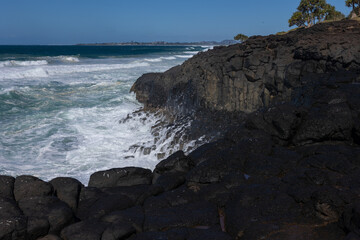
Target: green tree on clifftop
(310, 12)
(332, 14)
(241, 37)
(355, 4)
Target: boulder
(94, 204)
(67, 190)
(7, 187)
(47, 214)
(29, 186)
(120, 177)
(12, 222)
(89, 229)
(187, 215)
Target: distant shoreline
(161, 43)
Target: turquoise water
(60, 107)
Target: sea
(62, 108)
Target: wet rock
(47, 208)
(7, 186)
(67, 190)
(120, 177)
(29, 186)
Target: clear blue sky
(75, 21)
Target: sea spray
(61, 106)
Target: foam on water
(183, 56)
(40, 72)
(10, 63)
(63, 118)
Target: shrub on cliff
(241, 37)
(310, 12)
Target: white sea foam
(11, 63)
(191, 52)
(153, 59)
(168, 58)
(69, 58)
(183, 56)
(81, 133)
(159, 59)
(41, 72)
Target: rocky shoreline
(284, 164)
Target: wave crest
(13, 63)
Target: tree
(310, 12)
(241, 37)
(332, 14)
(297, 19)
(355, 4)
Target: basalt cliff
(286, 164)
(259, 73)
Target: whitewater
(62, 109)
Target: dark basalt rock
(258, 73)
(50, 237)
(46, 214)
(94, 203)
(67, 190)
(12, 222)
(29, 186)
(89, 229)
(188, 215)
(120, 177)
(7, 187)
(133, 216)
(290, 169)
(184, 233)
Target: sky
(90, 21)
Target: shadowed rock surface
(288, 168)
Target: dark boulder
(120, 177)
(67, 190)
(89, 230)
(188, 215)
(50, 237)
(133, 216)
(12, 222)
(46, 209)
(331, 122)
(176, 163)
(118, 230)
(7, 187)
(94, 203)
(29, 186)
(208, 233)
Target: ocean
(61, 108)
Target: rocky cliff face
(258, 73)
